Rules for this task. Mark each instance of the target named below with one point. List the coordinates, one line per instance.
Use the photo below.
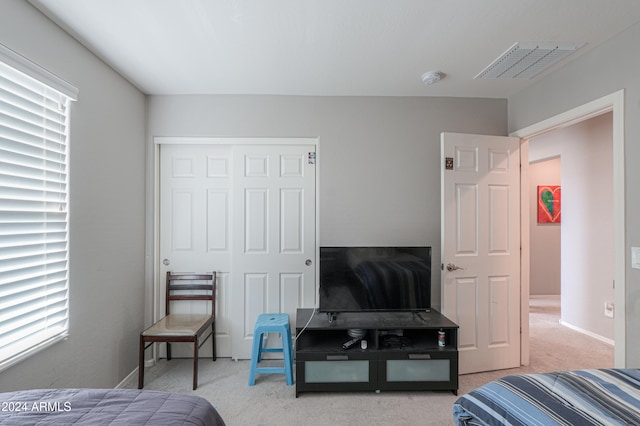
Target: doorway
(613, 103)
(572, 257)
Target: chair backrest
(199, 287)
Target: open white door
(481, 248)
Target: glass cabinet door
(433, 370)
(418, 370)
(356, 371)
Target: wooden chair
(183, 327)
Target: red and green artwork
(549, 205)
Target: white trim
(178, 140)
(525, 264)
(588, 333)
(35, 71)
(129, 380)
(573, 116)
(156, 276)
(615, 103)
(317, 249)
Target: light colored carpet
(272, 402)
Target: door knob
(308, 262)
(452, 267)
(166, 262)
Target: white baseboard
(589, 333)
(132, 377)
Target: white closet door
(247, 211)
(274, 236)
(195, 230)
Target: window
(34, 289)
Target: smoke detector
(431, 77)
(526, 60)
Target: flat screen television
(354, 279)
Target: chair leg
(213, 340)
(195, 363)
(141, 364)
(168, 351)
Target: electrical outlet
(608, 309)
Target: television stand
(401, 352)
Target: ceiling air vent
(526, 60)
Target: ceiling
(328, 47)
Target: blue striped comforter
(580, 397)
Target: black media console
(402, 352)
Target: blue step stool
(272, 323)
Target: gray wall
(378, 162)
(107, 158)
(586, 151)
(605, 70)
(544, 238)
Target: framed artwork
(549, 203)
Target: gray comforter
(104, 407)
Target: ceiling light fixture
(431, 77)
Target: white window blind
(34, 290)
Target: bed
(578, 397)
(105, 407)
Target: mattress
(578, 397)
(104, 407)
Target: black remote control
(351, 343)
